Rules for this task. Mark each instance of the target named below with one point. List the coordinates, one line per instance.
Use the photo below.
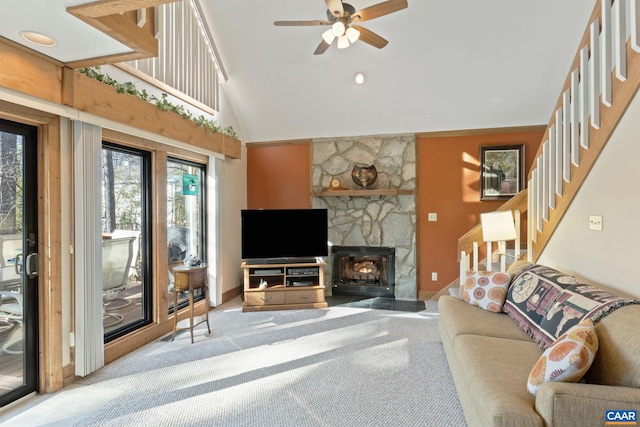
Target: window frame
(202, 197)
(146, 244)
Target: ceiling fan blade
(322, 48)
(370, 37)
(378, 10)
(299, 23)
(335, 7)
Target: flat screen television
(280, 235)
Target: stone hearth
(365, 220)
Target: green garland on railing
(163, 103)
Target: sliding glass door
(18, 261)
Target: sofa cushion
(617, 362)
(495, 374)
(459, 318)
(545, 302)
(567, 359)
(486, 289)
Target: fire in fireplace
(363, 271)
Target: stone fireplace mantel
(362, 193)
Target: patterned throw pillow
(486, 289)
(567, 359)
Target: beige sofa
(490, 358)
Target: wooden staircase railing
(470, 249)
(516, 203)
(604, 79)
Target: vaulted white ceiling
(449, 65)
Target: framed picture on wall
(501, 171)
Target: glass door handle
(18, 264)
(31, 265)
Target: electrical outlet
(434, 277)
(431, 216)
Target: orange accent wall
(279, 176)
(449, 185)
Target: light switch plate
(595, 222)
(431, 216)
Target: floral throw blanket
(545, 303)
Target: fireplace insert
(363, 271)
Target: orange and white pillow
(486, 289)
(567, 359)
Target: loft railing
(604, 79)
(187, 61)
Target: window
(185, 217)
(126, 246)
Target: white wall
(233, 198)
(611, 257)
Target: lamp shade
(328, 36)
(343, 42)
(338, 28)
(497, 226)
(352, 34)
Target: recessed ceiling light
(359, 78)
(37, 38)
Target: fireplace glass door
(364, 271)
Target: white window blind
(89, 334)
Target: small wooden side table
(189, 279)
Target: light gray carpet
(340, 366)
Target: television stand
(289, 285)
(281, 261)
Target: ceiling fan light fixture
(359, 78)
(343, 42)
(328, 36)
(338, 28)
(352, 34)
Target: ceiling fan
(341, 16)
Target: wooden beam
(104, 60)
(483, 131)
(94, 97)
(27, 72)
(101, 8)
(116, 18)
(125, 30)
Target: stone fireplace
(363, 270)
(380, 215)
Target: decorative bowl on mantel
(364, 176)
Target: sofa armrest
(564, 404)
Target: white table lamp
(497, 227)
